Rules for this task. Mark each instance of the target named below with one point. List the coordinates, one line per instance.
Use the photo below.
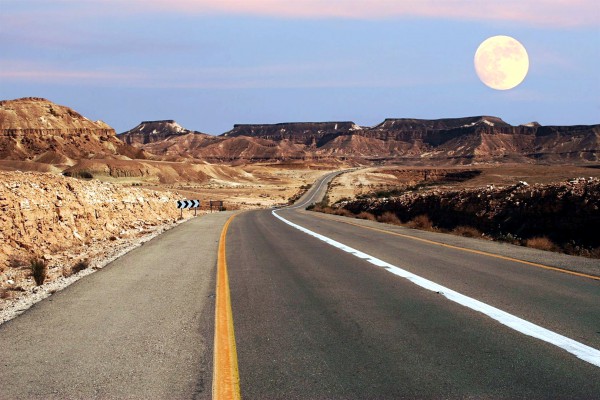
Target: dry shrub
(421, 222)
(4, 293)
(389, 218)
(366, 215)
(343, 212)
(466, 231)
(80, 266)
(594, 253)
(38, 270)
(541, 243)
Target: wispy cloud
(276, 76)
(539, 12)
(564, 13)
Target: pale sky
(211, 64)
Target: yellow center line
(565, 271)
(226, 378)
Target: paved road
(313, 321)
(140, 328)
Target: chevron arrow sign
(188, 203)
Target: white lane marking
(580, 350)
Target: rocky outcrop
(411, 141)
(306, 133)
(45, 214)
(154, 131)
(35, 129)
(568, 213)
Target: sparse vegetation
(366, 215)
(421, 222)
(80, 266)
(4, 294)
(466, 231)
(38, 270)
(541, 243)
(389, 218)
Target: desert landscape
(319, 199)
(73, 192)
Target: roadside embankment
(563, 216)
(70, 225)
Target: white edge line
(580, 350)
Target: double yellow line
(226, 377)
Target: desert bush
(466, 231)
(541, 243)
(343, 212)
(80, 266)
(366, 215)
(38, 270)
(421, 222)
(389, 218)
(4, 293)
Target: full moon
(501, 62)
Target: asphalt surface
(314, 322)
(311, 321)
(141, 328)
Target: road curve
(313, 321)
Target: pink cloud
(539, 12)
(30, 72)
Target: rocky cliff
(412, 141)
(306, 133)
(154, 131)
(35, 129)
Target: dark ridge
(162, 121)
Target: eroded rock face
(568, 213)
(154, 131)
(45, 214)
(411, 141)
(36, 129)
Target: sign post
(217, 203)
(195, 204)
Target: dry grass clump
(366, 215)
(466, 231)
(343, 212)
(421, 222)
(541, 243)
(4, 294)
(39, 270)
(389, 218)
(80, 266)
